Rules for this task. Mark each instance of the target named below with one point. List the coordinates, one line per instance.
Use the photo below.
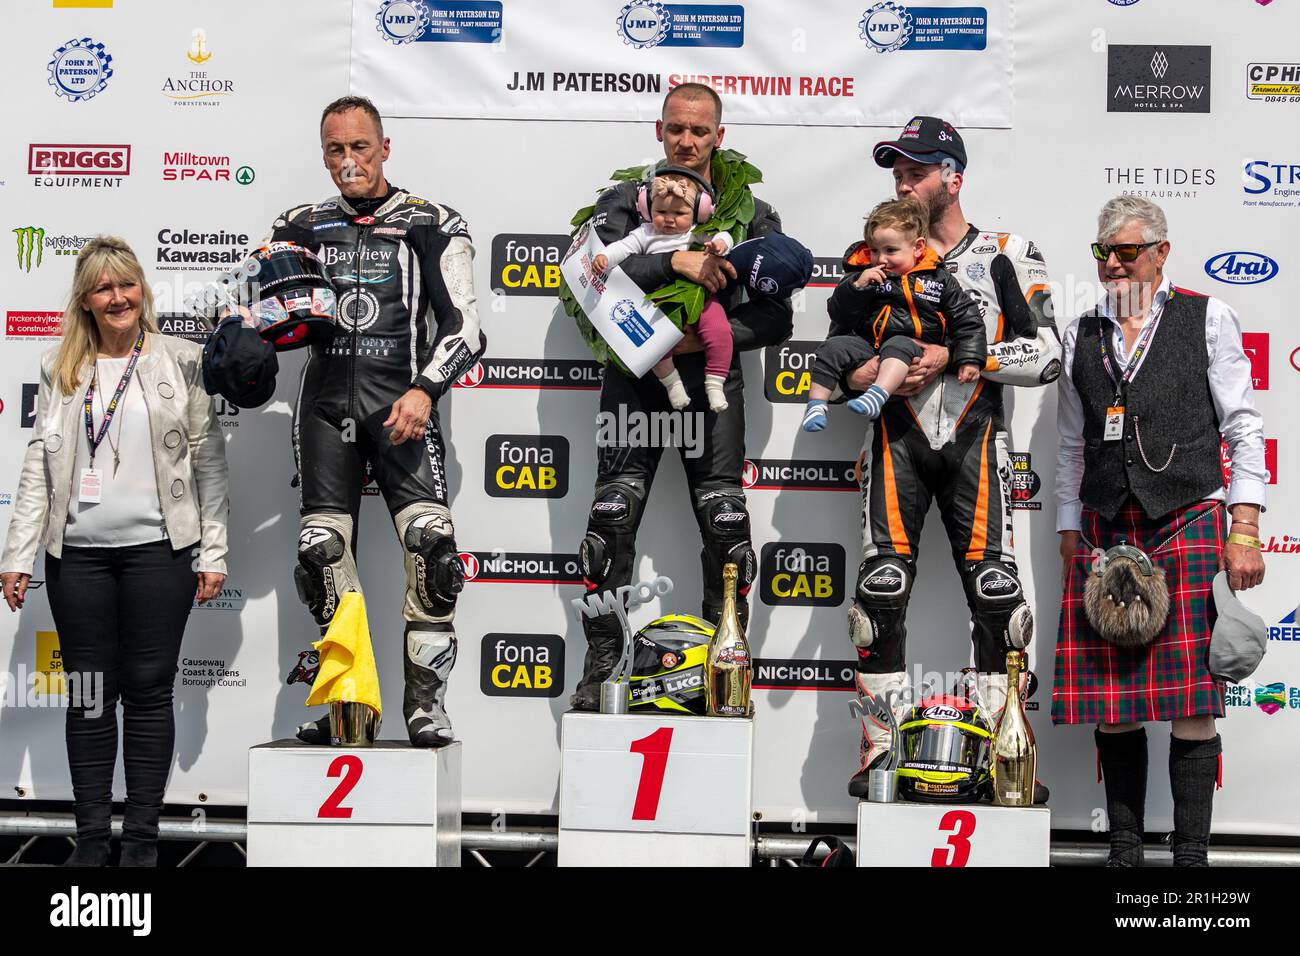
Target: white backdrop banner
(835, 64)
(186, 144)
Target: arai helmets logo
(644, 24)
(80, 69)
(886, 27)
(402, 21)
(1241, 268)
(941, 712)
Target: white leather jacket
(189, 459)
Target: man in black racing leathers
(408, 328)
(690, 128)
(944, 440)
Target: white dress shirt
(1231, 387)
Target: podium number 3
(655, 751)
(347, 766)
(961, 825)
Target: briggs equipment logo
(776, 474)
(570, 374)
(67, 165)
(1169, 79)
(802, 573)
(787, 371)
(33, 325)
(526, 466)
(527, 263)
(522, 665)
(520, 567)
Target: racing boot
(993, 697)
(430, 656)
(315, 731)
(604, 648)
(877, 737)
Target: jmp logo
(802, 574)
(526, 466)
(644, 24)
(630, 321)
(886, 27)
(402, 21)
(1241, 268)
(80, 69)
(31, 243)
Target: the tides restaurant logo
(563, 374)
(527, 263)
(775, 474)
(526, 466)
(802, 573)
(520, 567)
(522, 665)
(63, 165)
(787, 371)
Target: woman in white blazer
(124, 484)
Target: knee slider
(607, 548)
(326, 570)
(997, 602)
(880, 599)
(434, 573)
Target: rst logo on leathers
(526, 466)
(802, 573)
(522, 665)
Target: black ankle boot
(94, 825)
(139, 835)
(1124, 770)
(1193, 772)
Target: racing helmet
(294, 303)
(945, 751)
(668, 656)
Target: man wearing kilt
(1154, 378)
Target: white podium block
(387, 805)
(647, 790)
(952, 835)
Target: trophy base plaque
(655, 790)
(952, 834)
(387, 804)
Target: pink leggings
(715, 335)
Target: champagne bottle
(1014, 751)
(727, 671)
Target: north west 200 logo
(526, 466)
(802, 573)
(1025, 483)
(522, 665)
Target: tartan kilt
(1097, 682)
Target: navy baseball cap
(239, 365)
(772, 265)
(926, 139)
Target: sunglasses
(1124, 251)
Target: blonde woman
(124, 484)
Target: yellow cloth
(347, 660)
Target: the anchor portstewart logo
(31, 245)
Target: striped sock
(870, 402)
(814, 416)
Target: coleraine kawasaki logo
(80, 69)
(522, 665)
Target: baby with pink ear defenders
(672, 206)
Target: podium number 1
(348, 766)
(961, 825)
(655, 751)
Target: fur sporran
(1126, 598)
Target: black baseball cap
(926, 139)
(239, 365)
(773, 265)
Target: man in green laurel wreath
(678, 282)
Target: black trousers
(841, 354)
(120, 614)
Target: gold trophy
(1014, 752)
(728, 670)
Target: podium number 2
(961, 825)
(348, 766)
(655, 751)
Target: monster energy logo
(29, 238)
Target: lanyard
(96, 441)
(1143, 342)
